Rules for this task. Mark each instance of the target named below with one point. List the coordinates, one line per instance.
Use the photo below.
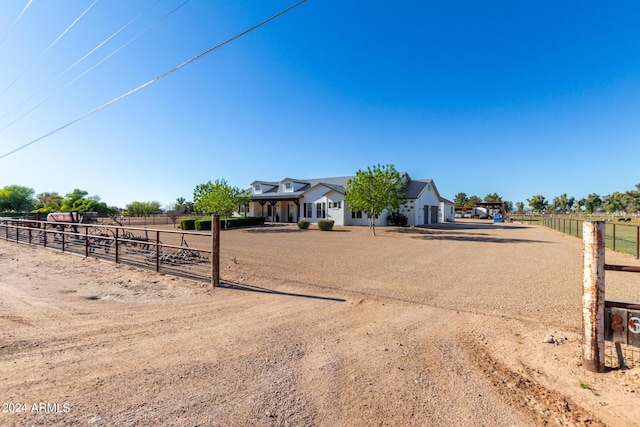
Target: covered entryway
(278, 209)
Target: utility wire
(49, 47)
(112, 36)
(16, 21)
(80, 60)
(142, 86)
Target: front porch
(276, 209)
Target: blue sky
(512, 97)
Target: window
(335, 205)
(257, 189)
(320, 210)
(288, 187)
(357, 214)
(308, 210)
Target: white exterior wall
(314, 196)
(335, 214)
(428, 198)
(348, 220)
(411, 212)
(447, 212)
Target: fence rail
(618, 236)
(164, 251)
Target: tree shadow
(473, 226)
(274, 230)
(480, 237)
(249, 288)
(284, 229)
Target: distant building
(292, 199)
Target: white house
(323, 198)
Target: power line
(49, 47)
(82, 59)
(112, 36)
(16, 21)
(142, 86)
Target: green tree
(508, 206)
(17, 198)
(77, 201)
(492, 198)
(520, 206)
(48, 202)
(182, 206)
(460, 199)
(71, 200)
(143, 208)
(615, 202)
(593, 202)
(218, 198)
(374, 190)
(633, 200)
(538, 203)
(562, 203)
(474, 200)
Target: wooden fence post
(215, 250)
(593, 235)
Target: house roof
(447, 201)
(299, 181)
(338, 184)
(414, 188)
(339, 188)
(265, 183)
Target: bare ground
(438, 326)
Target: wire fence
(619, 236)
(164, 251)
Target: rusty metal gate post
(593, 235)
(215, 250)
(157, 251)
(117, 248)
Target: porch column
(273, 209)
(297, 203)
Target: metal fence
(164, 251)
(620, 236)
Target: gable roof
(414, 188)
(339, 184)
(335, 183)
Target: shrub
(244, 221)
(325, 224)
(303, 224)
(188, 223)
(203, 224)
(397, 218)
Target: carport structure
(494, 205)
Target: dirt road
(439, 326)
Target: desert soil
(432, 326)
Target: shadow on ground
(474, 238)
(459, 232)
(286, 228)
(456, 226)
(249, 288)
